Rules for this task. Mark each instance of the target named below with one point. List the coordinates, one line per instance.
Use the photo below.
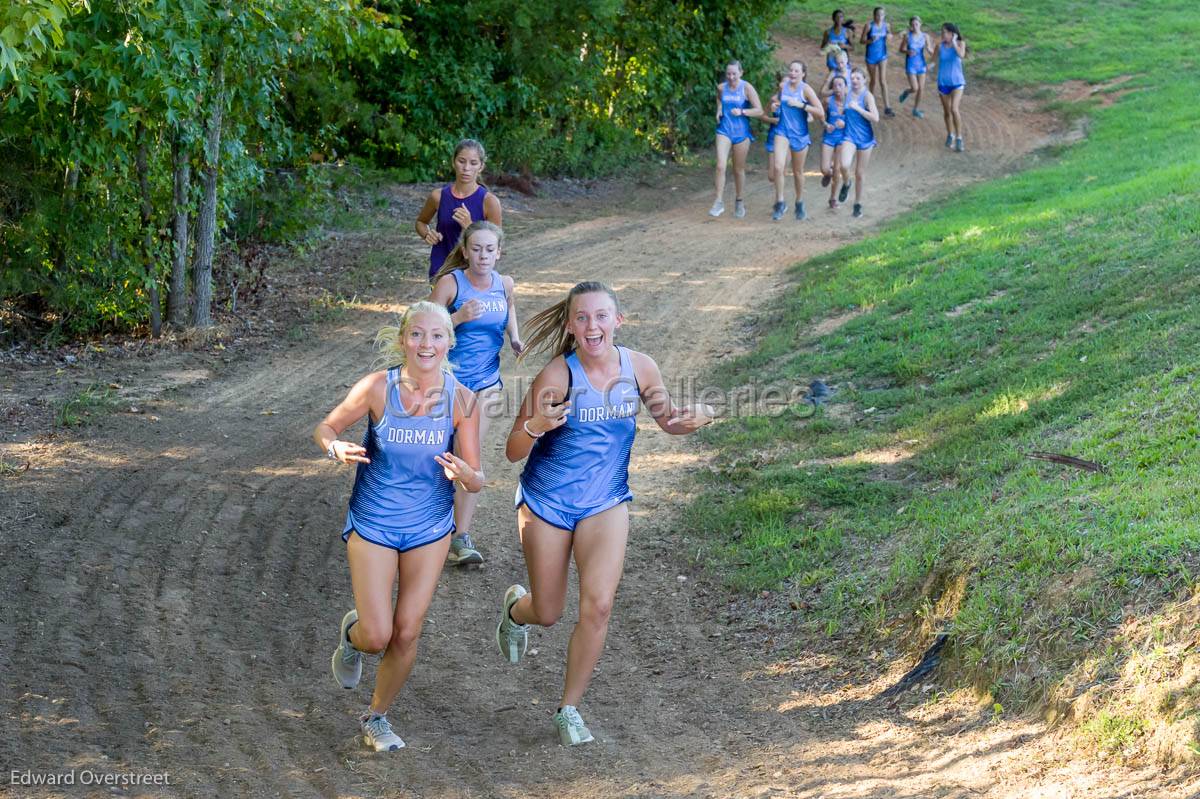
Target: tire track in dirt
(220, 526)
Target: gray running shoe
(825, 179)
(347, 661)
(571, 729)
(800, 212)
(717, 209)
(958, 144)
(378, 734)
(463, 552)
(739, 209)
(949, 139)
(844, 191)
(511, 638)
(888, 112)
(918, 113)
(777, 211)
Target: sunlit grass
(1054, 309)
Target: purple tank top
(450, 229)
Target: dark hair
(876, 10)
(913, 19)
(803, 66)
(548, 329)
(733, 62)
(836, 78)
(470, 144)
(457, 259)
(835, 13)
(951, 27)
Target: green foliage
(1049, 310)
(86, 86)
(550, 87)
(85, 406)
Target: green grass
(85, 405)
(1053, 309)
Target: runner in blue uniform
(841, 70)
(838, 35)
(917, 48)
(861, 114)
(481, 305)
(951, 82)
(422, 438)
(737, 103)
(797, 102)
(837, 151)
(771, 117)
(451, 208)
(875, 36)
(575, 428)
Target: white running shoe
(571, 729)
(347, 661)
(378, 734)
(511, 638)
(717, 209)
(739, 209)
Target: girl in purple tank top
(449, 210)
(422, 440)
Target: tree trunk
(182, 178)
(148, 233)
(206, 224)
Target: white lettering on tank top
(605, 412)
(425, 438)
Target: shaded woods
(142, 139)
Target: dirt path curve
(171, 604)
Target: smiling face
(733, 73)
(795, 72)
(426, 342)
(593, 318)
(468, 164)
(857, 81)
(483, 251)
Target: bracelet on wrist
(530, 433)
(329, 450)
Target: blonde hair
(457, 259)
(390, 339)
(549, 327)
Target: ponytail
(549, 327)
(457, 259)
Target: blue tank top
(585, 462)
(736, 128)
(832, 114)
(950, 69)
(858, 127)
(477, 345)
(840, 39)
(877, 43)
(916, 52)
(450, 229)
(403, 490)
(793, 122)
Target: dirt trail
(171, 588)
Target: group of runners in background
(844, 110)
(419, 465)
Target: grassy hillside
(1052, 310)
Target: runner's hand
(549, 416)
(345, 452)
(432, 236)
(462, 216)
(841, 123)
(470, 311)
(454, 467)
(518, 346)
(692, 417)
